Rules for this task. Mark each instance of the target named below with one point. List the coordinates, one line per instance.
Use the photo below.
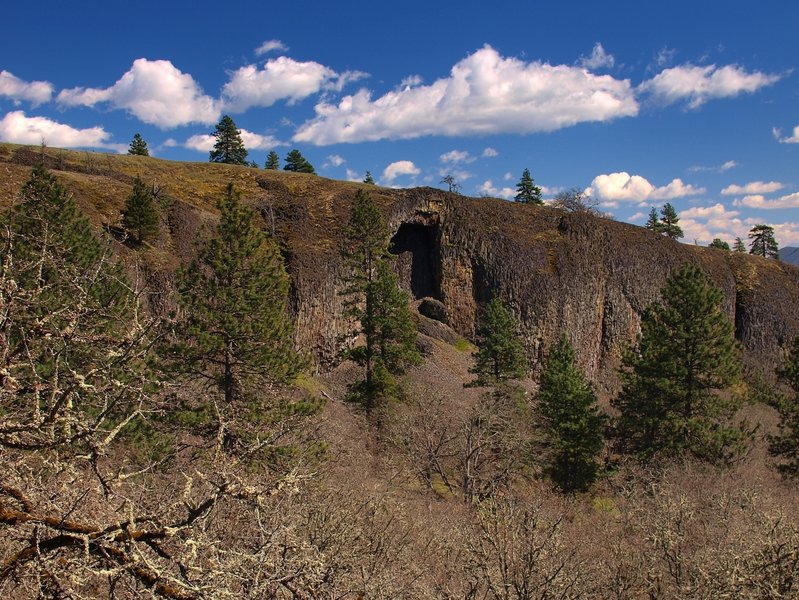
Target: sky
(638, 103)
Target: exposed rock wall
(588, 277)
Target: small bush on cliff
(685, 353)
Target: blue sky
(693, 103)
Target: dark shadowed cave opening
(418, 259)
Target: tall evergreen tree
(138, 146)
(719, 244)
(763, 242)
(236, 333)
(296, 163)
(272, 161)
(229, 147)
(527, 191)
(572, 421)
(653, 222)
(668, 222)
(380, 307)
(686, 351)
(369, 179)
(739, 245)
(140, 214)
(500, 355)
(785, 445)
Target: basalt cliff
(586, 276)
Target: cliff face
(588, 277)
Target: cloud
(730, 164)
(354, 176)
(455, 157)
(598, 59)
(398, 168)
(271, 46)
(154, 91)
(489, 152)
(35, 92)
(487, 189)
(622, 186)
(483, 94)
(793, 139)
(252, 141)
(704, 223)
(759, 201)
(754, 187)
(697, 84)
(16, 128)
(281, 78)
(334, 160)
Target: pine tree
(527, 191)
(67, 337)
(785, 445)
(685, 352)
(763, 242)
(719, 244)
(140, 214)
(138, 146)
(236, 333)
(668, 221)
(229, 147)
(739, 245)
(572, 421)
(296, 163)
(653, 222)
(376, 302)
(272, 161)
(500, 355)
(369, 179)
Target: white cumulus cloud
(791, 139)
(270, 46)
(487, 188)
(281, 78)
(760, 201)
(17, 128)
(455, 157)
(398, 168)
(35, 92)
(723, 168)
(754, 187)
(697, 84)
(484, 93)
(155, 92)
(489, 152)
(334, 160)
(704, 223)
(615, 187)
(598, 58)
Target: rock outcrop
(559, 272)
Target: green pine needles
(572, 422)
(671, 401)
(376, 302)
(500, 355)
(236, 334)
(140, 215)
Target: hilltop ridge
(559, 272)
